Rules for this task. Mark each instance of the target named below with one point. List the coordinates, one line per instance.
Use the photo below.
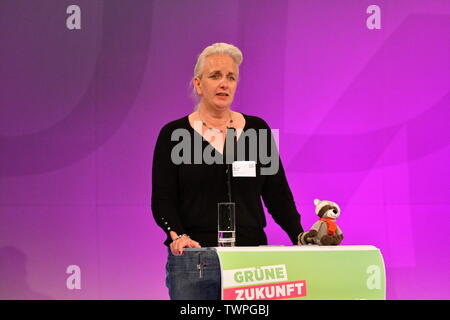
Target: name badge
(244, 169)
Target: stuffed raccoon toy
(324, 232)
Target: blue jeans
(194, 276)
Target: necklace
(211, 128)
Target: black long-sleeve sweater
(185, 195)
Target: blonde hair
(216, 48)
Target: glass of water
(226, 224)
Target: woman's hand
(180, 242)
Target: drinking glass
(226, 224)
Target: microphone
(229, 167)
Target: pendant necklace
(214, 129)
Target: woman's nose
(224, 83)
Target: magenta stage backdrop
(358, 89)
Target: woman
(185, 194)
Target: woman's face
(217, 83)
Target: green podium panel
(302, 272)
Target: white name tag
(244, 169)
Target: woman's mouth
(222, 96)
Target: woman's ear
(197, 85)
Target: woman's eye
(214, 76)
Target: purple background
(363, 119)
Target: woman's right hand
(177, 245)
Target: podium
(302, 272)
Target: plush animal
(324, 232)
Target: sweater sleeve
(164, 201)
(278, 199)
